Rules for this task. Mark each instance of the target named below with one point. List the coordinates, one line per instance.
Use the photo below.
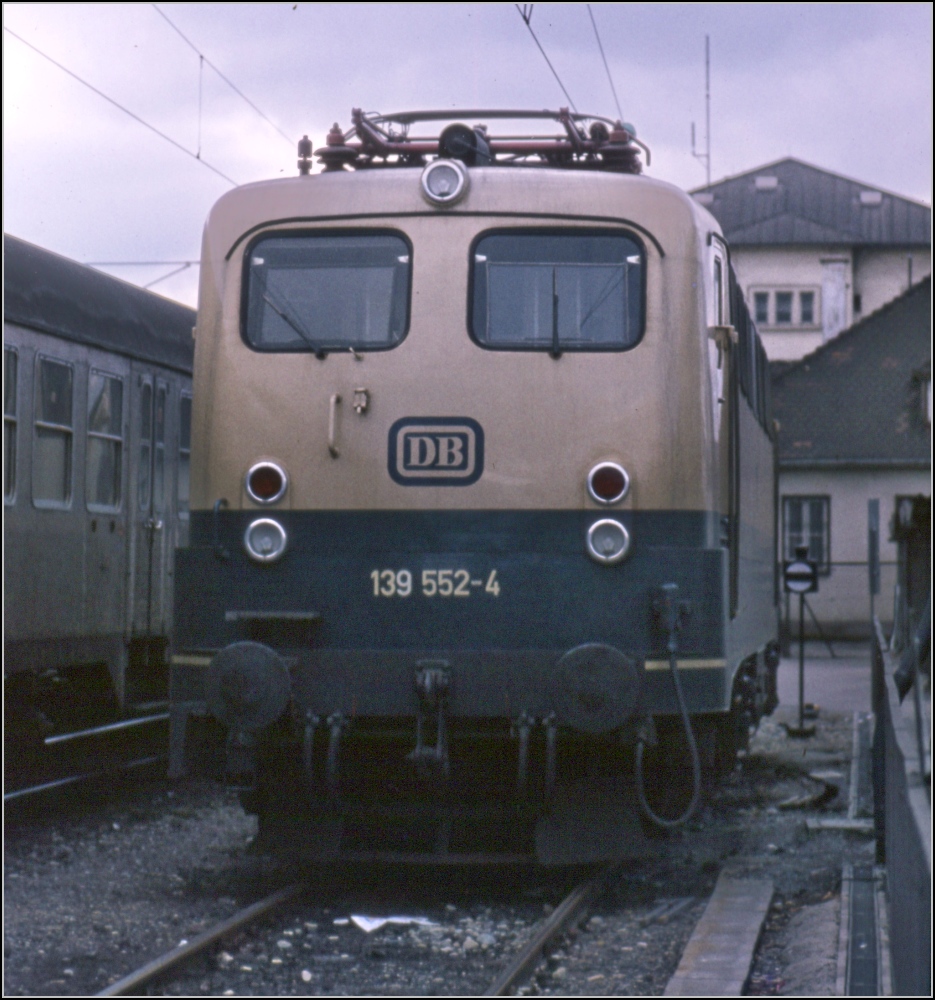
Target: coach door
(150, 514)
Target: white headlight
(265, 540)
(444, 182)
(608, 542)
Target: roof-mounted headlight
(444, 182)
(265, 540)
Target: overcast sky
(845, 86)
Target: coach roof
(50, 293)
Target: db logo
(436, 451)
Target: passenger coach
(483, 472)
(96, 421)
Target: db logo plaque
(436, 451)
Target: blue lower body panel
(498, 595)
(449, 674)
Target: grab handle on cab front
(333, 405)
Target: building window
(806, 308)
(10, 371)
(786, 308)
(105, 441)
(761, 307)
(54, 428)
(807, 521)
(185, 453)
(783, 307)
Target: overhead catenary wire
(525, 12)
(606, 67)
(117, 104)
(226, 79)
(178, 270)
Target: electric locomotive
(482, 532)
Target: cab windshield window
(327, 292)
(557, 292)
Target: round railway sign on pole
(800, 576)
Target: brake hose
(669, 606)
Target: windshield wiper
(296, 325)
(556, 351)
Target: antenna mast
(706, 156)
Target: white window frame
(10, 425)
(808, 533)
(114, 439)
(796, 323)
(67, 431)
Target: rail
(529, 956)
(165, 963)
(74, 779)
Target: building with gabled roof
(816, 252)
(855, 424)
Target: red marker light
(266, 483)
(608, 482)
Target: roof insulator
(619, 153)
(305, 155)
(335, 153)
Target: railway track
(709, 963)
(103, 752)
(571, 910)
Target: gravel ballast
(92, 893)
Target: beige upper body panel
(546, 421)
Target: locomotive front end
(453, 434)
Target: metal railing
(901, 762)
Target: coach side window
(146, 445)
(185, 453)
(105, 441)
(10, 371)
(159, 447)
(54, 430)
